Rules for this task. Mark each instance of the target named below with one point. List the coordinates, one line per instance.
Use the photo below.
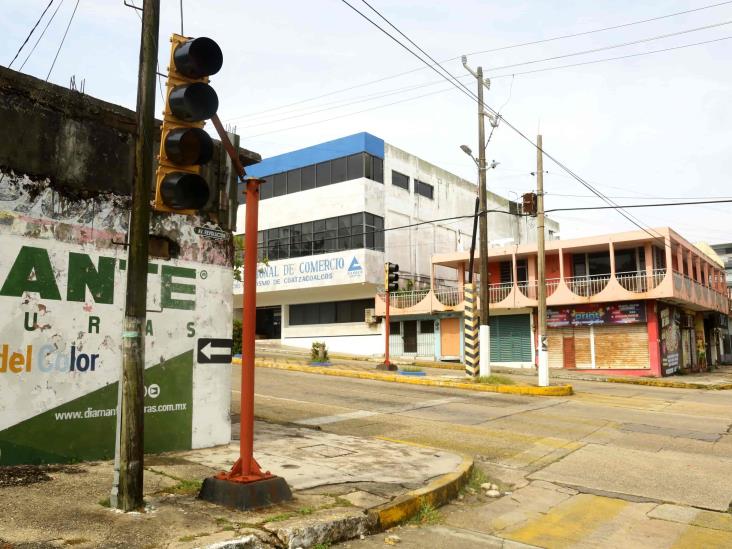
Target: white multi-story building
(330, 215)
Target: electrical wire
(62, 40)
(511, 46)
(450, 78)
(652, 205)
(53, 16)
(29, 35)
(614, 46)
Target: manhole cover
(323, 450)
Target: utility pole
(131, 438)
(484, 336)
(543, 351)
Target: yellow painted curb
(437, 493)
(672, 384)
(529, 390)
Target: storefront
(511, 340)
(602, 336)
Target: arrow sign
(214, 351)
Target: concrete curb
(672, 384)
(437, 493)
(528, 390)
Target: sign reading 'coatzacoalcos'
(320, 270)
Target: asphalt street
(609, 464)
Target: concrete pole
(131, 439)
(541, 266)
(484, 334)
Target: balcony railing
(638, 281)
(406, 298)
(587, 286)
(449, 297)
(499, 292)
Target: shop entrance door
(269, 322)
(410, 336)
(570, 358)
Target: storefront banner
(588, 315)
(670, 340)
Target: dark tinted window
(265, 189)
(338, 170)
(307, 178)
(327, 313)
(378, 170)
(330, 312)
(399, 180)
(280, 184)
(355, 166)
(425, 189)
(322, 174)
(395, 328)
(427, 327)
(293, 181)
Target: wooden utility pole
(541, 285)
(133, 337)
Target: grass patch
(410, 368)
(495, 379)
(305, 510)
(322, 546)
(476, 478)
(278, 518)
(224, 523)
(105, 502)
(185, 487)
(426, 515)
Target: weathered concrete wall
(64, 212)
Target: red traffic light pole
(246, 485)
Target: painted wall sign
(62, 287)
(214, 351)
(355, 266)
(588, 315)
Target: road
(614, 464)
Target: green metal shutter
(510, 338)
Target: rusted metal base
(390, 367)
(245, 495)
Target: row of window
(353, 310)
(334, 234)
(420, 187)
(322, 174)
(425, 327)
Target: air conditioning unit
(370, 316)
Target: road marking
(324, 420)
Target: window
(280, 184)
(522, 270)
(592, 264)
(377, 172)
(293, 181)
(338, 170)
(400, 180)
(625, 261)
(395, 328)
(506, 272)
(347, 232)
(265, 189)
(355, 166)
(425, 189)
(307, 178)
(322, 174)
(427, 327)
(330, 312)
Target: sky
(644, 129)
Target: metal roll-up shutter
(622, 346)
(511, 338)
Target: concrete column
(705, 272)
(611, 248)
(514, 270)
(461, 277)
(648, 255)
(654, 350)
(680, 259)
(561, 263)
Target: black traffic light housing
(184, 145)
(391, 277)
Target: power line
(652, 205)
(29, 34)
(53, 16)
(614, 46)
(628, 56)
(472, 95)
(644, 197)
(62, 40)
(511, 46)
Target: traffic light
(184, 145)
(529, 204)
(391, 277)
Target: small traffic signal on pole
(529, 204)
(391, 277)
(184, 145)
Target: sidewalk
(719, 379)
(343, 487)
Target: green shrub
(236, 338)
